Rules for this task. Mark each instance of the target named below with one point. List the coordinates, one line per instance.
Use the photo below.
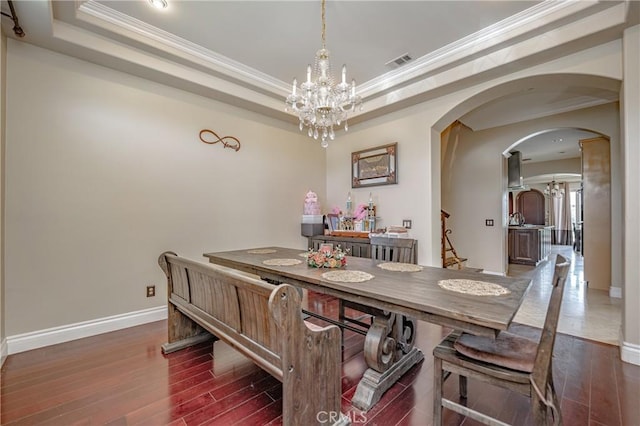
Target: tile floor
(586, 313)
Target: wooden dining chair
(402, 250)
(393, 249)
(513, 360)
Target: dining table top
(471, 301)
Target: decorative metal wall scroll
(227, 141)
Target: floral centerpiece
(327, 257)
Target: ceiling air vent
(399, 61)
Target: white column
(3, 91)
(630, 124)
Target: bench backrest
(229, 304)
(262, 321)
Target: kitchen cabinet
(529, 245)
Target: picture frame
(375, 166)
(333, 220)
(328, 247)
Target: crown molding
(591, 24)
(500, 33)
(467, 47)
(103, 16)
(171, 60)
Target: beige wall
(569, 165)
(105, 171)
(3, 91)
(631, 209)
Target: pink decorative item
(311, 204)
(361, 212)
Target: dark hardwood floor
(122, 378)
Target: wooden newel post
(309, 355)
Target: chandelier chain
(323, 27)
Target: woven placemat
(347, 276)
(400, 267)
(475, 288)
(305, 254)
(262, 251)
(282, 262)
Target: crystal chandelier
(319, 104)
(553, 190)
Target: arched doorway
(477, 183)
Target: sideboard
(358, 247)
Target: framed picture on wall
(375, 166)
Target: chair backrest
(542, 365)
(393, 249)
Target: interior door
(531, 205)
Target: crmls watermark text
(331, 417)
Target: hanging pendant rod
(17, 29)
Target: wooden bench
(265, 324)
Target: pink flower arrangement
(327, 258)
(361, 212)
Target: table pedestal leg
(389, 353)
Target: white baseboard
(501, 274)
(615, 292)
(4, 351)
(66, 333)
(630, 353)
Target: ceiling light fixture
(553, 190)
(319, 104)
(159, 4)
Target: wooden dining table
(474, 302)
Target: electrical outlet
(151, 290)
(406, 223)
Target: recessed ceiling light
(159, 4)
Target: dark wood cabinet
(531, 205)
(529, 245)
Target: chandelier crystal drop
(320, 104)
